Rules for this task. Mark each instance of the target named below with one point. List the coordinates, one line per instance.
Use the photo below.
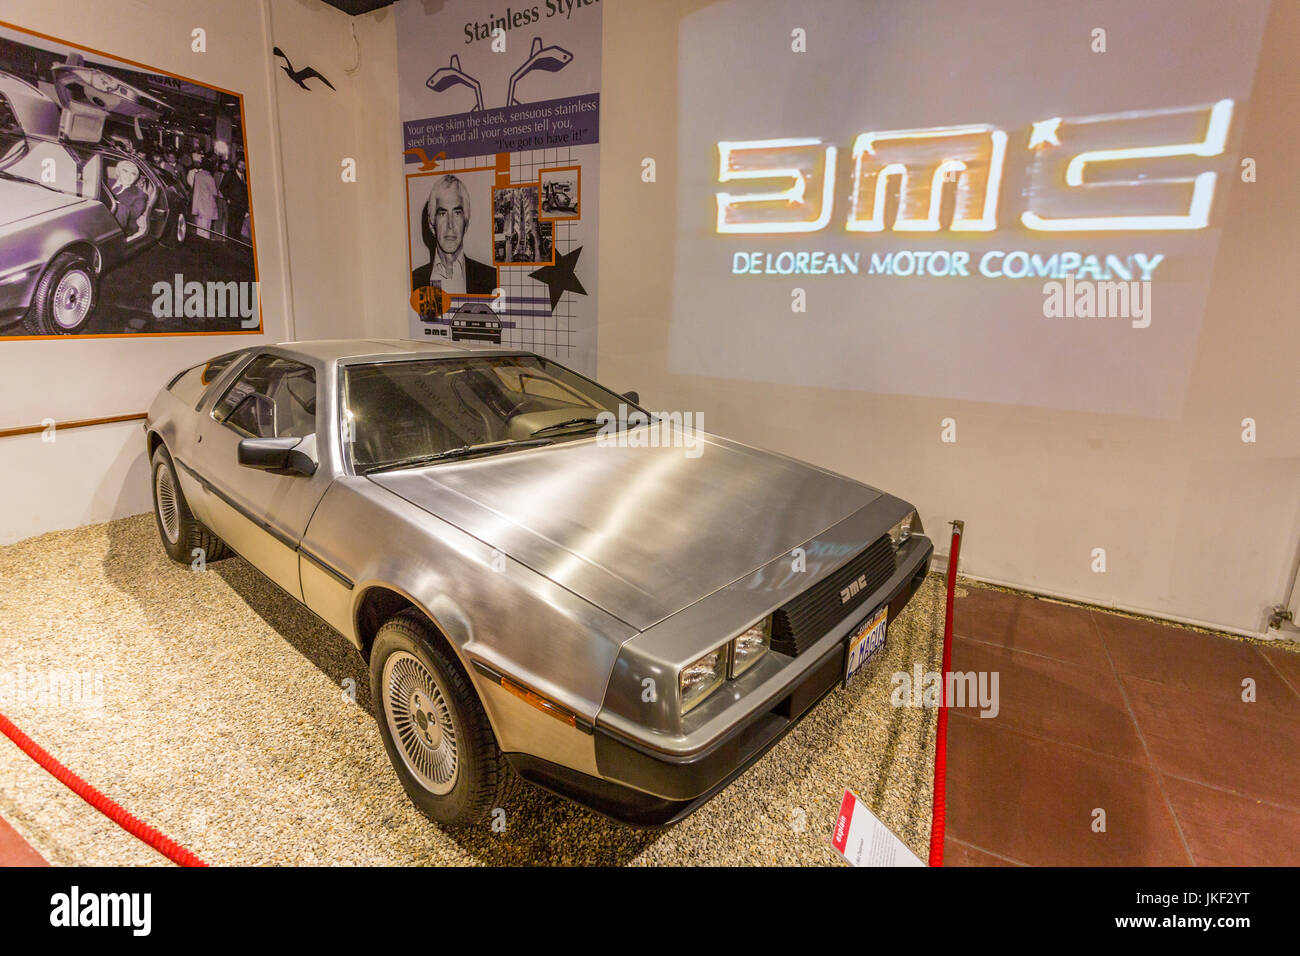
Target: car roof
(335, 350)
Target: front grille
(806, 618)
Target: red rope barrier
(941, 734)
(127, 821)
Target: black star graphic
(559, 278)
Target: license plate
(865, 641)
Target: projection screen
(1007, 201)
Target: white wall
(382, 235)
(334, 237)
(1196, 524)
(346, 240)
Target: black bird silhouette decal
(300, 76)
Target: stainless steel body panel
(660, 651)
(261, 515)
(489, 607)
(175, 421)
(512, 619)
(641, 532)
(576, 570)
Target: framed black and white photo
(125, 206)
(561, 193)
(519, 236)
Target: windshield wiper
(463, 451)
(569, 423)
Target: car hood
(20, 200)
(639, 532)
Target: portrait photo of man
(448, 230)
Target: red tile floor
(14, 850)
(1097, 711)
(1145, 721)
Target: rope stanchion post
(109, 808)
(941, 732)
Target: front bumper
(647, 788)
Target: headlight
(750, 646)
(702, 677)
(903, 530)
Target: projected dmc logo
(1119, 171)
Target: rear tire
(435, 731)
(180, 531)
(64, 300)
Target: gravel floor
(215, 708)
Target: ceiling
(357, 7)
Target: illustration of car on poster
(475, 321)
(83, 193)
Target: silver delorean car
(546, 580)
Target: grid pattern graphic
(528, 304)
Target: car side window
(272, 398)
(212, 370)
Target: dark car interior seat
(391, 423)
(294, 397)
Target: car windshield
(412, 412)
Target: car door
(156, 203)
(261, 514)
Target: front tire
(180, 531)
(65, 296)
(435, 731)
(177, 231)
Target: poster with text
(500, 121)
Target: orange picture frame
(248, 175)
(577, 203)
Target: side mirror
(280, 456)
(633, 397)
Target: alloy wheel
(419, 719)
